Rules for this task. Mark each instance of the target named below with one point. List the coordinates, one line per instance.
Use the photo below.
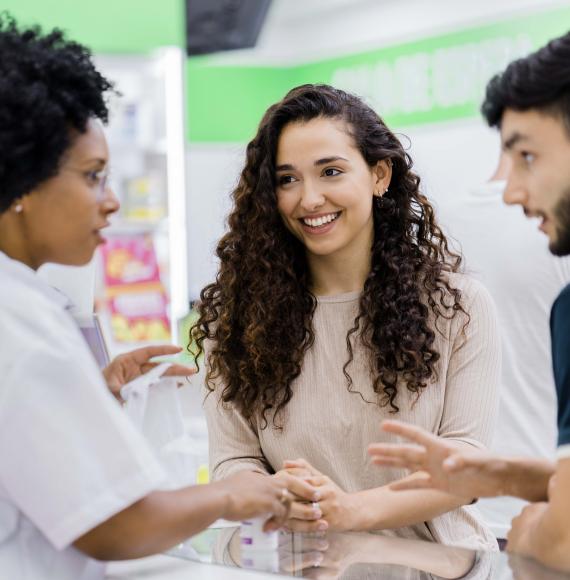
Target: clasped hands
(319, 504)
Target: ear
(18, 205)
(382, 173)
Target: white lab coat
(69, 457)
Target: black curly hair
(48, 87)
(258, 314)
(538, 81)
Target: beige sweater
(331, 428)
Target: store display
(136, 298)
(144, 290)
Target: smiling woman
(338, 303)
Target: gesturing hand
(128, 366)
(444, 466)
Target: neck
(344, 271)
(13, 242)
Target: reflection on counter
(340, 555)
(358, 556)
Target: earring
(19, 208)
(386, 190)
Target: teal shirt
(560, 335)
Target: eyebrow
(515, 138)
(317, 163)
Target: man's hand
(443, 465)
(127, 367)
(334, 509)
(250, 495)
(522, 527)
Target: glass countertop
(356, 556)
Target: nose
(110, 203)
(515, 193)
(311, 197)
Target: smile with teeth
(320, 221)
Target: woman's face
(63, 217)
(325, 187)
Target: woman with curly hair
(338, 304)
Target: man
(530, 104)
(510, 256)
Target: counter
(216, 554)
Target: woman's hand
(335, 510)
(304, 516)
(127, 367)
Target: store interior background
(225, 94)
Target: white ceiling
(290, 10)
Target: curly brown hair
(258, 313)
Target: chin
(79, 258)
(322, 250)
(560, 246)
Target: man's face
(539, 147)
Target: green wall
(431, 80)
(125, 26)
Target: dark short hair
(48, 87)
(539, 81)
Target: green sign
(431, 80)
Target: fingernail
(317, 560)
(317, 514)
(317, 496)
(322, 526)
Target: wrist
(222, 497)
(357, 514)
(527, 478)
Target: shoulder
(34, 325)
(25, 310)
(474, 294)
(559, 323)
(561, 305)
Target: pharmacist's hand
(332, 511)
(297, 485)
(127, 367)
(441, 463)
(249, 495)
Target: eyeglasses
(98, 181)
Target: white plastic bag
(153, 405)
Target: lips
(320, 220)
(323, 223)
